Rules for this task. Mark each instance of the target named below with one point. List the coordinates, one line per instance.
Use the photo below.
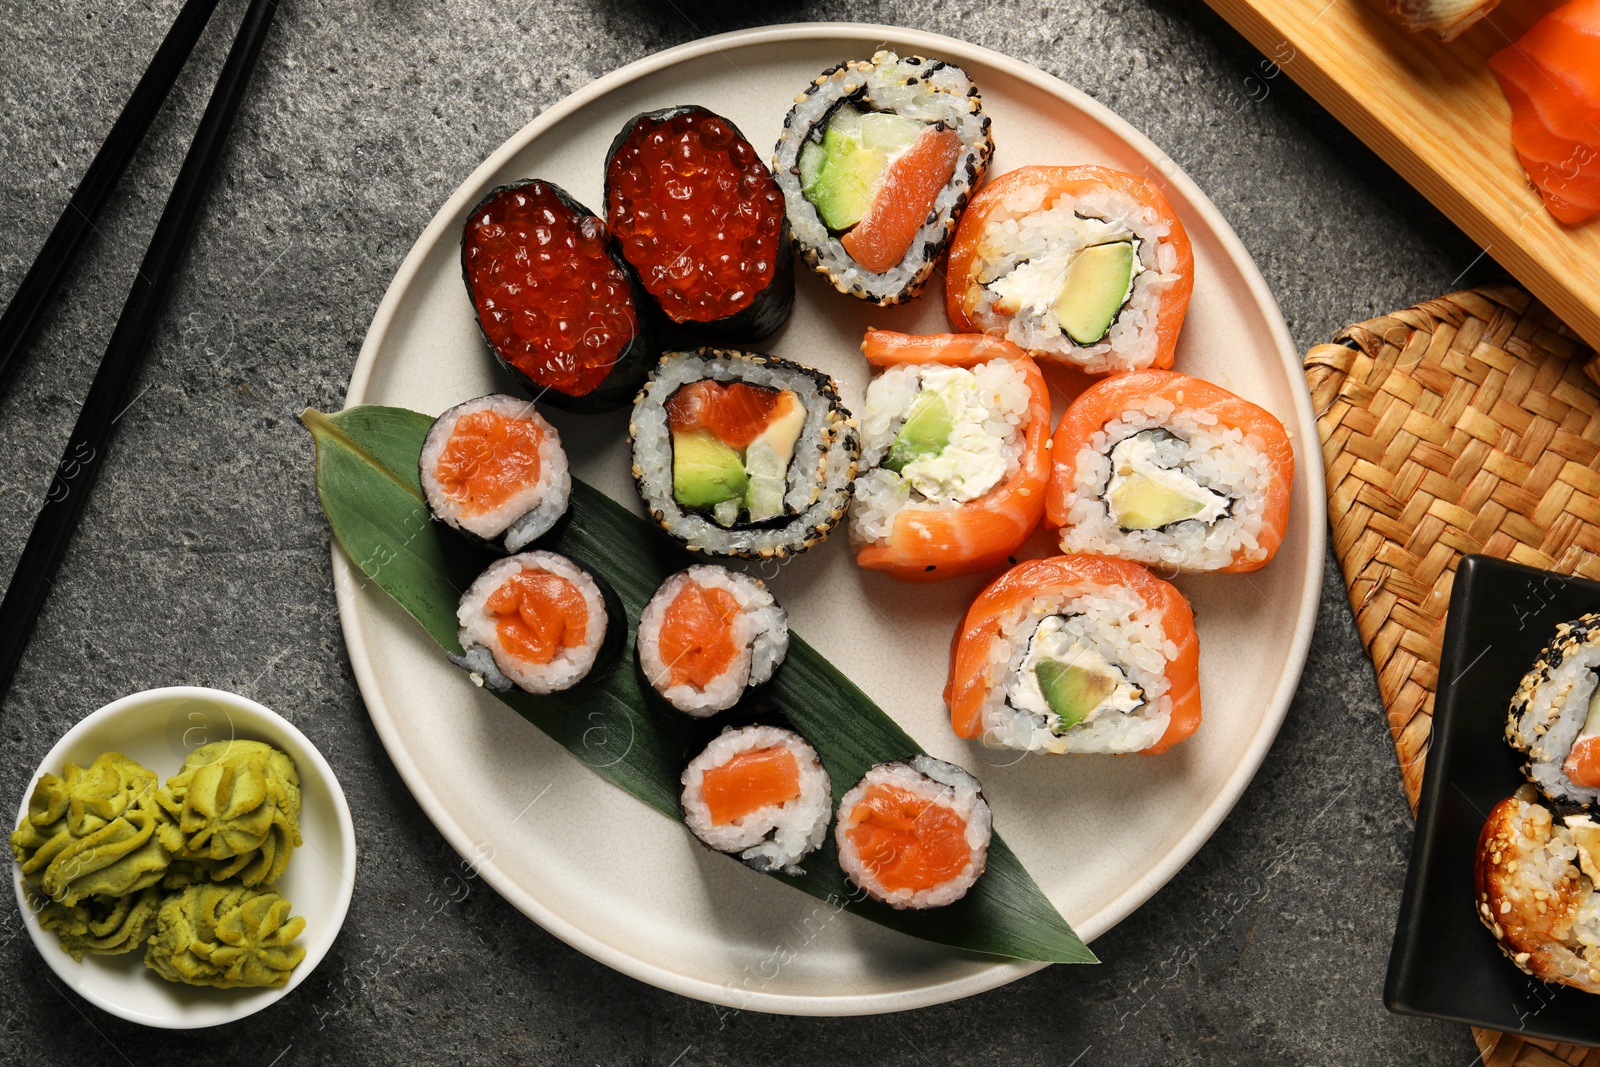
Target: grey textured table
(203, 557)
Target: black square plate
(1444, 962)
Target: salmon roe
(549, 297)
(697, 213)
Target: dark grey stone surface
(203, 557)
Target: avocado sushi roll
(554, 298)
(742, 454)
(699, 216)
(1555, 715)
(708, 636)
(759, 793)
(876, 160)
(495, 470)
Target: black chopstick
(40, 283)
(108, 395)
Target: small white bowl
(159, 728)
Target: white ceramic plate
(158, 728)
(613, 879)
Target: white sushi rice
(985, 449)
(531, 511)
(778, 836)
(928, 90)
(1113, 626)
(492, 663)
(1551, 705)
(1220, 458)
(1027, 233)
(939, 783)
(760, 630)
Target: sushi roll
(1076, 654)
(876, 160)
(759, 793)
(708, 636)
(495, 470)
(538, 621)
(742, 454)
(1535, 877)
(914, 833)
(954, 453)
(1172, 471)
(699, 216)
(554, 298)
(1083, 265)
(1555, 715)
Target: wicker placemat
(1464, 424)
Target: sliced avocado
(705, 471)
(1096, 286)
(1142, 503)
(884, 132)
(769, 477)
(926, 431)
(1072, 692)
(839, 175)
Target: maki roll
(955, 453)
(1076, 654)
(537, 621)
(1535, 877)
(1084, 265)
(699, 216)
(494, 469)
(1555, 715)
(554, 299)
(875, 161)
(742, 454)
(914, 833)
(1172, 471)
(759, 793)
(708, 636)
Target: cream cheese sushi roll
(1555, 715)
(494, 469)
(537, 621)
(914, 833)
(708, 636)
(759, 793)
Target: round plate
(613, 879)
(158, 728)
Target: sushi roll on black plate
(876, 161)
(708, 636)
(555, 300)
(540, 622)
(699, 216)
(759, 793)
(495, 470)
(1555, 715)
(742, 454)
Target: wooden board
(1435, 113)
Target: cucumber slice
(884, 132)
(1097, 284)
(768, 473)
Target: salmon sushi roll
(876, 159)
(1086, 266)
(1076, 654)
(1171, 471)
(954, 455)
(708, 636)
(495, 470)
(538, 621)
(1555, 715)
(759, 793)
(914, 833)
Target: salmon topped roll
(1084, 265)
(954, 455)
(708, 636)
(1171, 471)
(914, 833)
(1555, 715)
(1076, 654)
(537, 621)
(494, 469)
(759, 793)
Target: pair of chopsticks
(119, 367)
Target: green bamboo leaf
(367, 480)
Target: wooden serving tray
(1435, 113)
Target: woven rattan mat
(1465, 424)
